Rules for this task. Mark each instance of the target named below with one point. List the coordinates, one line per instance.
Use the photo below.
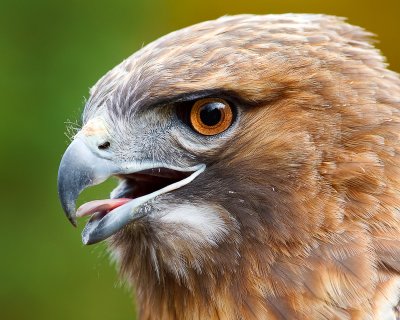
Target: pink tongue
(105, 205)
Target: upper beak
(79, 169)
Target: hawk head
(258, 168)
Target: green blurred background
(51, 52)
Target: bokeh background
(51, 52)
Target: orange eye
(211, 116)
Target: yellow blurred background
(51, 52)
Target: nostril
(104, 145)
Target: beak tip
(86, 240)
(72, 221)
(69, 210)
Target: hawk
(259, 171)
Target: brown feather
(308, 185)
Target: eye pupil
(210, 114)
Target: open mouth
(132, 186)
(81, 168)
(110, 215)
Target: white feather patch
(200, 223)
(388, 299)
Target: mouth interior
(132, 186)
(147, 181)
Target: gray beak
(82, 167)
(79, 169)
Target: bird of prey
(259, 171)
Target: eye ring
(211, 116)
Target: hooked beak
(81, 168)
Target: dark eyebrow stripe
(191, 96)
